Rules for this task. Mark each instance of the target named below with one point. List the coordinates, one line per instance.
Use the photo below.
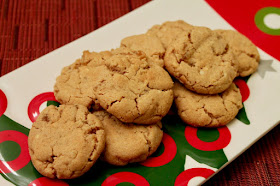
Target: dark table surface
(32, 28)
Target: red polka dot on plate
(43, 181)
(3, 102)
(121, 177)
(185, 176)
(244, 89)
(34, 105)
(220, 143)
(170, 150)
(24, 157)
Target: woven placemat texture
(32, 28)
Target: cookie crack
(148, 142)
(60, 111)
(254, 56)
(145, 91)
(215, 118)
(211, 122)
(154, 88)
(186, 78)
(49, 164)
(116, 69)
(85, 62)
(237, 106)
(72, 173)
(80, 82)
(187, 51)
(139, 70)
(53, 156)
(190, 39)
(113, 102)
(138, 111)
(209, 113)
(36, 127)
(93, 130)
(201, 42)
(159, 55)
(90, 159)
(54, 172)
(226, 50)
(208, 86)
(223, 101)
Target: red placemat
(32, 28)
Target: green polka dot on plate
(268, 20)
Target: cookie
(149, 44)
(70, 87)
(65, 141)
(131, 88)
(128, 143)
(201, 110)
(245, 51)
(168, 31)
(201, 61)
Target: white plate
(262, 106)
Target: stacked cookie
(112, 102)
(204, 63)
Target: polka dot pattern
(24, 157)
(34, 105)
(170, 150)
(184, 177)
(121, 177)
(43, 181)
(244, 89)
(220, 143)
(3, 102)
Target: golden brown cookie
(131, 88)
(65, 141)
(128, 143)
(168, 31)
(246, 52)
(149, 44)
(71, 86)
(201, 110)
(200, 60)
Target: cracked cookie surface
(149, 44)
(168, 31)
(246, 52)
(207, 110)
(65, 141)
(131, 88)
(70, 87)
(201, 61)
(128, 143)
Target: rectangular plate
(37, 77)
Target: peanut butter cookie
(168, 31)
(65, 141)
(149, 44)
(131, 88)
(246, 52)
(201, 110)
(201, 61)
(71, 86)
(128, 143)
